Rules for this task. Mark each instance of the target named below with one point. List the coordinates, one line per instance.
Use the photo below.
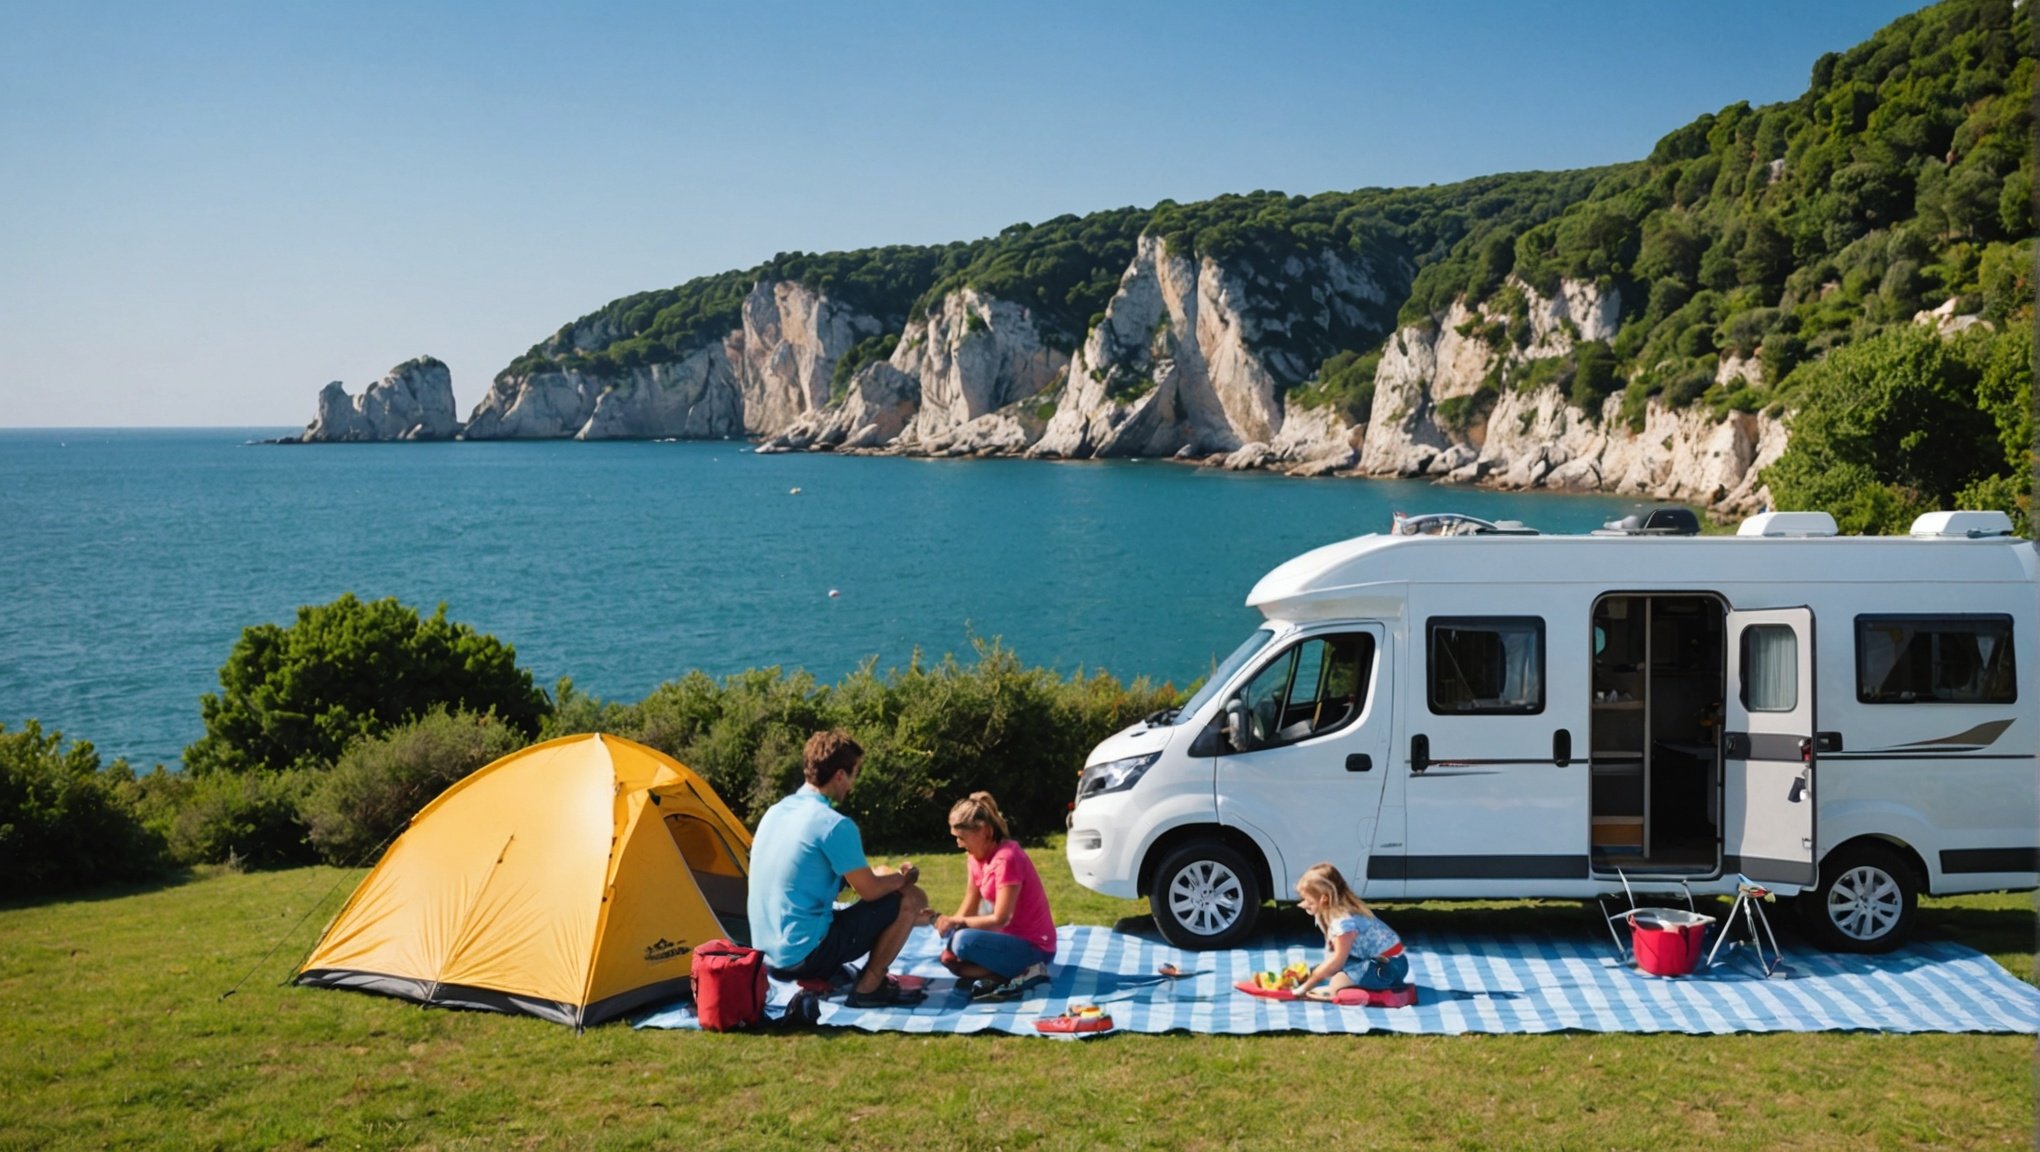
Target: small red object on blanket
(1074, 1022)
(1400, 996)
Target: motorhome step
(1611, 832)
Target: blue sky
(210, 210)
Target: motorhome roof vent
(1963, 525)
(1788, 524)
(1656, 522)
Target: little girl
(1359, 948)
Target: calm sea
(130, 560)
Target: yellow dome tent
(571, 880)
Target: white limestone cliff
(972, 356)
(1177, 362)
(770, 371)
(1538, 439)
(413, 402)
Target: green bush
(1900, 424)
(243, 819)
(355, 808)
(64, 822)
(1462, 414)
(932, 733)
(1594, 378)
(744, 735)
(867, 351)
(295, 697)
(1344, 382)
(935, 733)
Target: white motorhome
(1848, 720)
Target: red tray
(1401, 996)
(1073, 1024)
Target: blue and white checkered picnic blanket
(1470, 983)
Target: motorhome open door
(1767, 747)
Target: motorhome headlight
(1113, 775)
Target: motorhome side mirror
(1236, 725)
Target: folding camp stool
(1625, 951)
(1754, 924)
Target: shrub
(935, 733)
(867, 351)
(1594, 380)
(932, 733)
(744, 735)
(362, 802)
(1344, 382)
(295, 697)
(1462, 413)
(1891, 427)
(245, 819)
(64, 822)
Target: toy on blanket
(1078, 1018)
(1400, 996)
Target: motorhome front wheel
(1864, 903)
(1205, 895)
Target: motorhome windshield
(1223, 673)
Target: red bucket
(1667, 941)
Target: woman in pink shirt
(1002, 936)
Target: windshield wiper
(1160, 717)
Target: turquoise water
(130, 560)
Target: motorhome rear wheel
(1865, 901)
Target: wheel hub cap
(1865, 903)
(1206, 898)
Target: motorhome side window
(1487, 665)
(1312, 688)
(1939, 659)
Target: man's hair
(829, 753)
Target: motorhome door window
(1770, 668)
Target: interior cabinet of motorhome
(1655, 736)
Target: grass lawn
(115, 1035)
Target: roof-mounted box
(1962, 525)
(1788, 524)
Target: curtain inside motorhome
(1522, 664)
(1770, 668)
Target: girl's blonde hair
(1334, 896)
(977, 810)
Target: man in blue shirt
(802, 855)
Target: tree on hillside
(1895, 426)
(295, 697)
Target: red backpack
(729, 986)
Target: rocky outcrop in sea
(413, 402)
